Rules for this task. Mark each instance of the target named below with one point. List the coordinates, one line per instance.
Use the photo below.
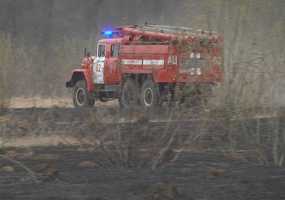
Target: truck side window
(101, 50)
(115, 48)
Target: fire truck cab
(148, 65)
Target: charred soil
(114, 155)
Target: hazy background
(41, 41)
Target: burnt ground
(210, 157)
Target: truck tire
(103, 99)
(150, 96)
(129, 97)
(81, 96)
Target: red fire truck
(148, 65)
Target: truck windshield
(115, 50)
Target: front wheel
(81, 96)
(150, 96)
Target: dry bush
(252, 70)
(6, 60)
(132, 145)
(29, 69)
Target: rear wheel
(150, 96)
(103, 99)
(81, 96)
(129, 94)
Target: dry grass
(51, 140)
(6, 60)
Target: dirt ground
(39, 102)
(61, 174)
(53, 152)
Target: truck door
(99, 64)
(112, 69)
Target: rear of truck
(201, 60)
(200, 66)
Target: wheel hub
(80, 96)
(148, 97)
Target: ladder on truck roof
(166, 29)
(162, 33)
(174, 29)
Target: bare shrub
(6, 60)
